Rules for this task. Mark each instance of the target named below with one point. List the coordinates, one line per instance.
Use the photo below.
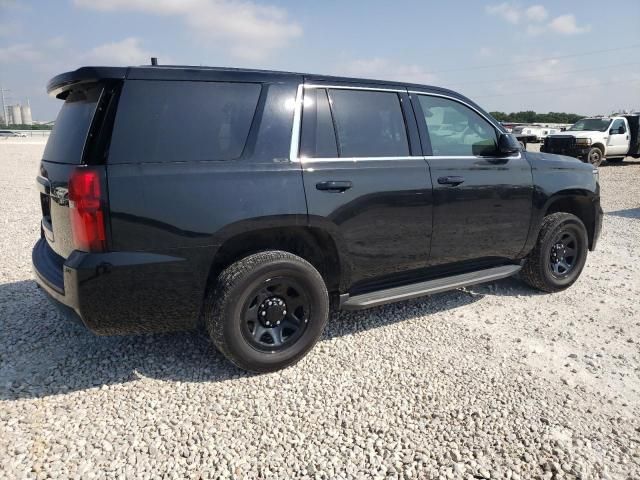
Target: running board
(429, 287)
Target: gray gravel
(494, 381)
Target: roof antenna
(154, 61)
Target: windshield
(591, 124)
(66, 142)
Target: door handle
(453, 181)
(334, 185)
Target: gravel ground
(494, 381)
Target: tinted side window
(369, 123)
(166, 121)
(318, 138)
(455, 129)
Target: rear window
(169, 121)
(69, 134)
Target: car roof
(62, 82)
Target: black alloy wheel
(267, 310)
(563, 256)
(560, 253)
(276, 314)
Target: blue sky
(563, 55)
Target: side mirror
(508, 144)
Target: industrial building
(19, 115)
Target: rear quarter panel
(186, 210)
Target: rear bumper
(122, 292)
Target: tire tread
(532, 271)
(217, 302)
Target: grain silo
(15, 115)
(25, 111)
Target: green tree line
(533, 117)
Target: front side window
(618, 127)
(456, 130)
(180, 121)
(368, 123)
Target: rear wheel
(267, 310)
(560, 253)
(595, 156)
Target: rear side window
(318, 139)
(169, 121)
(69, 134)
(369, 123)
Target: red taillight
(85, 206)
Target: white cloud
(536, 13)
(506, 11)
(536, 16)
(124, 52)
(19, 52)
(248, 30)
(566, 25)
(384, 69)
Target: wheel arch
(314, 245)
(602, 148)
(579, 203)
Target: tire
(595, 157)
(275, 288)
(542, 268)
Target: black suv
(253, 200)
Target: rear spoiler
(62, 83)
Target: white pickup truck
(596, 139)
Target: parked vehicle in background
(10, 133)
(598, 138)
(546, 131)
(531, 133)
(284, 194)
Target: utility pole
(4, 108)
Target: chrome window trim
(456, 100)
(357, 159)
(443, 157)
(412, 157)
(296, 129)
(343, 87)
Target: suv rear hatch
(72, 180)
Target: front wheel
(557, 259)
(595, 156)
(267, 310)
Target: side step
(429, 287)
